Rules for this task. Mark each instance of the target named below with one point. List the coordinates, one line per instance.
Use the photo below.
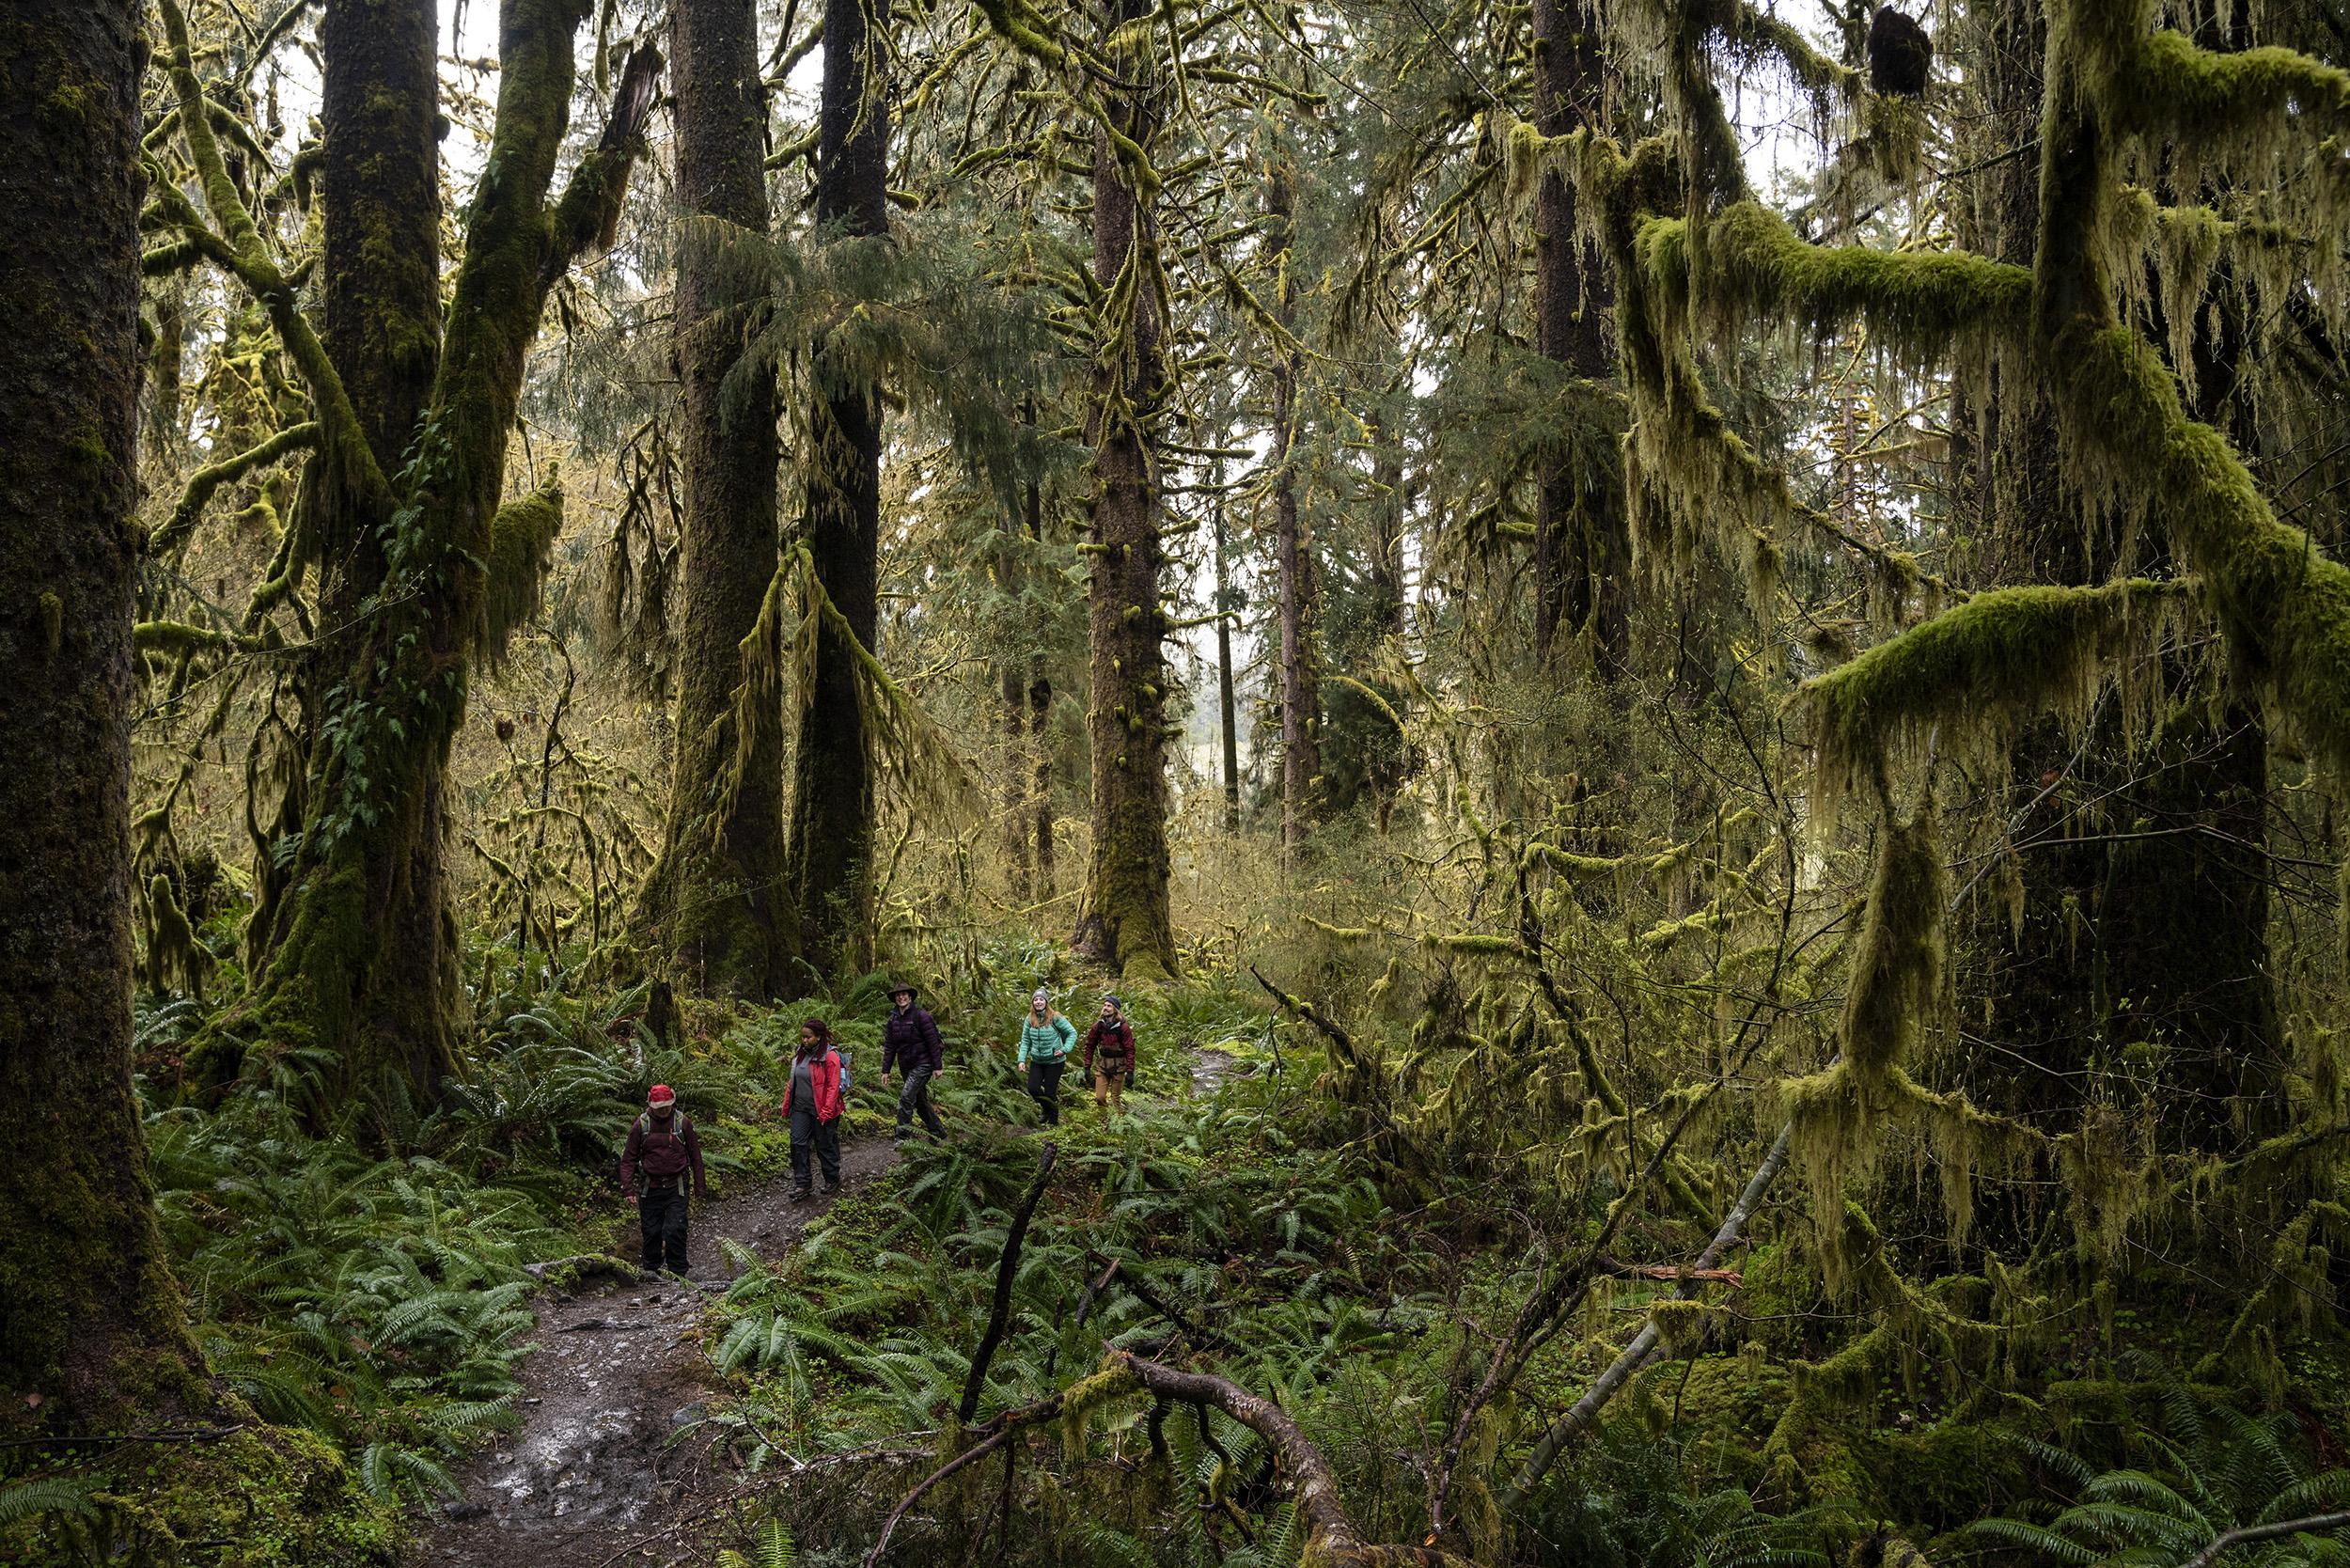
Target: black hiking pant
(662, 1214)
(819, 1138)
(1045, 1088)
(915, 1096)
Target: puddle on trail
(608, 1452)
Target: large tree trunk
(1127, 923)
(89, 1318)
(1582, 545)
(2161, 940)
(1301, 702)
(832, 799)
(363, 969)
(381, 270)
(717, 902)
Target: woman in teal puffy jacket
(1045, 1040)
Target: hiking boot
(800, 1195)
(832, 1189)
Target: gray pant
(821, 1138)
(915, 1096)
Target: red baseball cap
(661, 1095)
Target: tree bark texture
(1013, 691)
(832, 799)
(89, 1317)
(1127, 923)
(1582, 544)
(717, 902)
(1301, 703)
(379, 184)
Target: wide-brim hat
(904, 988)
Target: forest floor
(592, 1476)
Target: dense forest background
(1689, 662)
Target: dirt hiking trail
(619, 1371)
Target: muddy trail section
(610, 1449)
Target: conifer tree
(1128, 921)
(717, 903)
(1293, 551)
(833, 794)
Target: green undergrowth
(361, 1291)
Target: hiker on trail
(663, 1148)
(1110, 1055)
(910, 1041)
(1045, 1039)
(813, 1104)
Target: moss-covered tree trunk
(717, 905)
(1127, 923)
(832, 796)
(1293, 562)
(2142, 920)
(90, 1323)
(381, 271)
(361, 971)
(1582, 544)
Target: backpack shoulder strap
(644, 1126)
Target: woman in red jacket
(811, 1102)
(1109, 1058)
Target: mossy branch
(1980, 668)
(2167, 84)
(1923, 302)
(205, 482)
(178, 639)
(240, 247)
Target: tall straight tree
(1301, 703)
(1127, 922)
(832, 796)
(717, 902)
(415, 405)
(89, 1317)
(1582, 548)
(1227, 702)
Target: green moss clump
(263, 1497)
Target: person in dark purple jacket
(910, 1042)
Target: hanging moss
(521, 547)
(1976, 671)
(1897, 964)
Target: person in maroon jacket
(813, 1104)
(1109, 1060)
(663, 1149)
(910, 1043)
